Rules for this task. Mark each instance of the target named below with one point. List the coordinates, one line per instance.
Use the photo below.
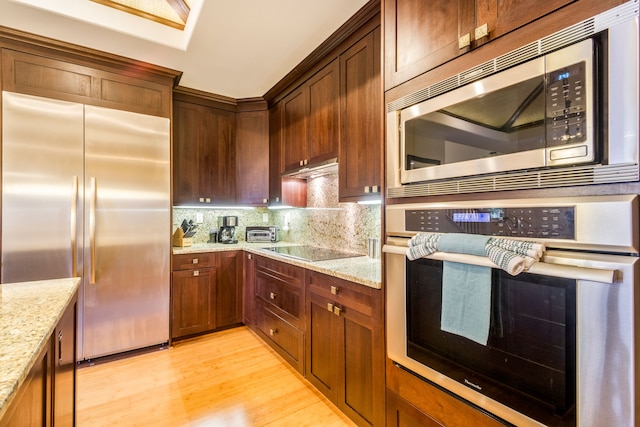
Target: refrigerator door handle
(92, 230)
(74, 227)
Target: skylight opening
(173, 13)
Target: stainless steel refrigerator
(86, 193)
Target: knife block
(179, 240)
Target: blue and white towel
(466, 288)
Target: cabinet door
(357, 394)
(401, 413)
(323, 338)
(31, 405)
(228, 301)
(252, 158)
(420, 35)
(218, 164)
(248, 290)
(194, 293)
(295, 108)
(276, 165)
(503, 16)
(204, 159)
(64, 381)
(323, 118)
(361, 120)
(187, 149)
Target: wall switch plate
(199, 218)
(265, 217)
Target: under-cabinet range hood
(315, 170)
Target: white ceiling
(235, 48)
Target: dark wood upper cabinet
(310, 118)
(204, 156)
(252, 158)
(361, 138)
(323, 115)
(421, 35)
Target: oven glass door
(529, 362)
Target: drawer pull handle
(330, 307)
(194, 261)
(273, 331)
(334, 290)
(337, 310)
(272, 295)
(196, 272)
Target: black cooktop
(310, 253)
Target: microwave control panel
(566, 105)
(533, 222)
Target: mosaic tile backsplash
(325, 222)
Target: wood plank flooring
(229, 378)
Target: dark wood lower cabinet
(193, 302)
(401, 413)
(345, 348)
(48, 394)
(32, 403)
(411, 401)
(64, 360)
(206, 292)
(278, 300)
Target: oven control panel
(527, 222)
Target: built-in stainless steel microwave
(560, 111)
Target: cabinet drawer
(286, 272)
(357, 297)
(285, 338)
(280, 295)
(191, 261)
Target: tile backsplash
(325, 222)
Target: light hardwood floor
(229, 378)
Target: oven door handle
(541, 267)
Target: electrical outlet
(265, 217)
(199, 218)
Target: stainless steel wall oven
(562, 344)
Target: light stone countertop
(29, 312)
(362, 270)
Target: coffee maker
(228, 229)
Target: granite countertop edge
(362, 269)
(29, 313)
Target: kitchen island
(30, 313)
(363, 270)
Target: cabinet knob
(272, 295)
(194, 261)
(273, 331)
(208, 200)
(277, 199)
(330, 307)
(482, 31)
(464, 41)
(301, 162)
(367, 189)
(375, 189)
(201, 199)
(249, 256)
(265, 201)
(334, 290)
(196, 272)
(337, 310)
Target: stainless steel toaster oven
(262, 233)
